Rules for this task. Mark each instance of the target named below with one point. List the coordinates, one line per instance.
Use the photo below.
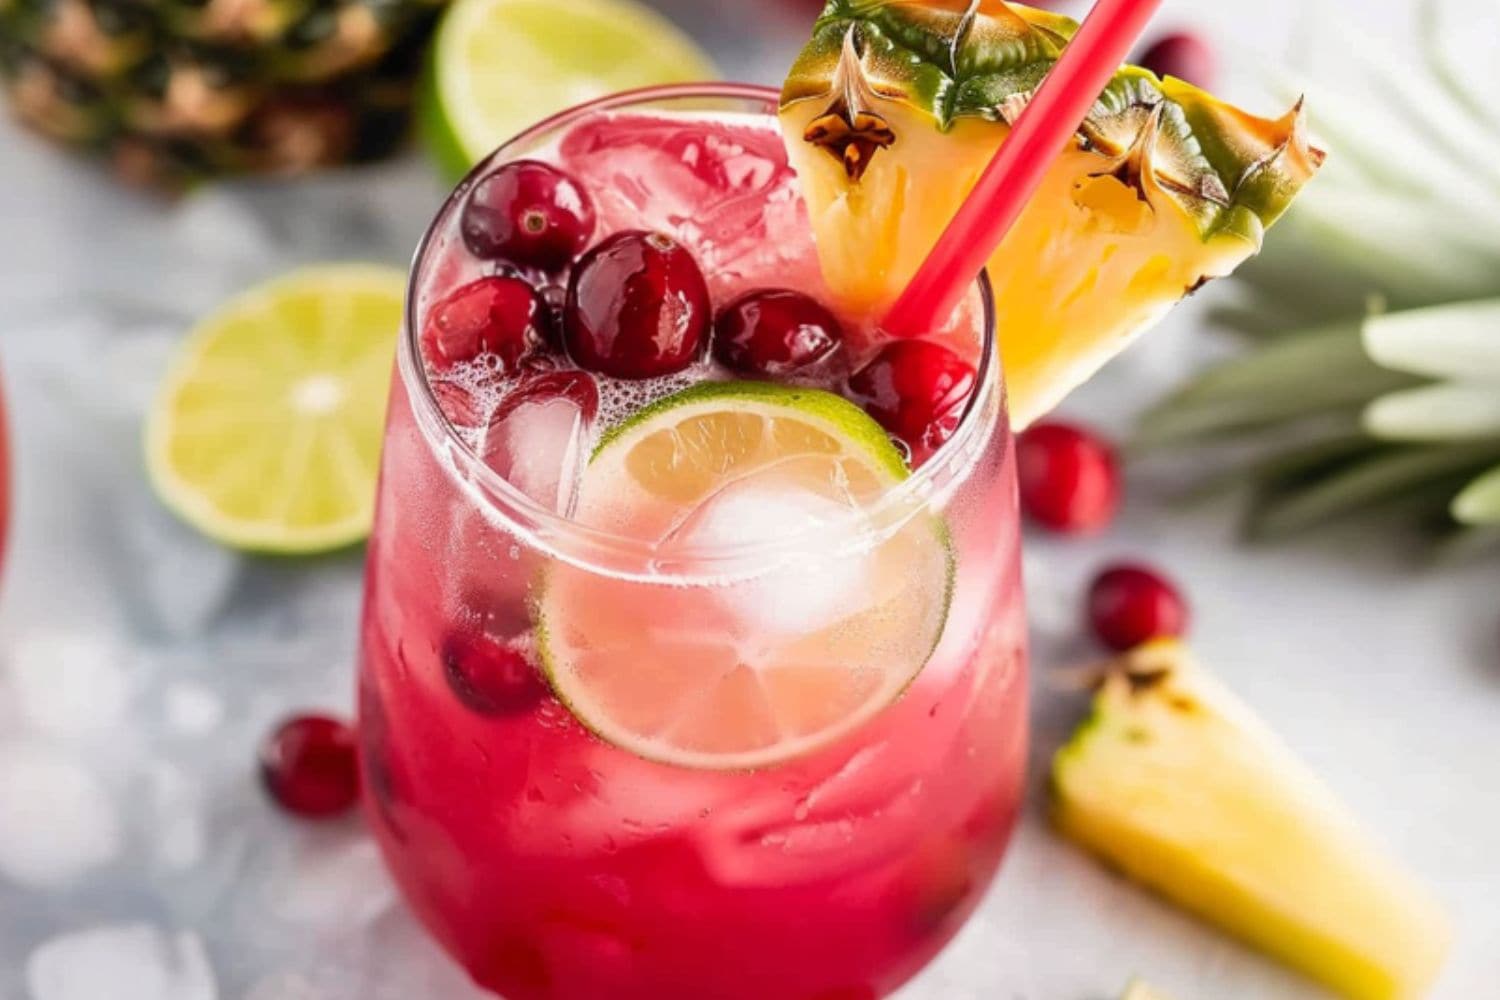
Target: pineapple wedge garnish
(895, 107)
(1176, 783)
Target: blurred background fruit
(174, 90)
(1370, 376)
(499, 66)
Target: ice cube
(538, 438)
(191, 709)
(391, 959)
(179, 834)
(56, 818)
(126, 962)
(332, 884)
(830, 579)
(716, 183)
(67, 683)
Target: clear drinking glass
(553, 863)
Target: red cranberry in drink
(489, 676)
(1185, 56)
(1069, 478)
(637, 307)
(1129, 604)
(917, 390)
(774, 332)
(500, 315)
(310, 766)
(528, 213)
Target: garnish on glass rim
(1048, 121)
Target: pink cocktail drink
(648, 711)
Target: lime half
(762, 666)
(499, 66)
(266, 432)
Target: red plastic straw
(1048, 122)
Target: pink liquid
(554, 865)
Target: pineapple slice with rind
(895, 107)
(1176, 783)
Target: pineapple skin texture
(170, 92)
(1175, 783)
(1163, 189)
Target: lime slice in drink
(766, 665)
(265, 434)
(499, 66)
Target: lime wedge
(499, 66)
(265, 434)
(763, 667)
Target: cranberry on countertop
(1069, 477)
(500, 315)
(1130, 603)
(1184, 55)
(527, 213)
(916, 390)
(310, 766)
(637, 307)
(774, 332)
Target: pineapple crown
(1232, 172)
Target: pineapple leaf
(1444, 412)
(1363, 131)
(1383, 477)
(1335, 446)
(1297, 358)
(1372, 317)
(1448, 70)
(1423, 106)
(1286, 379)
(1479, 502)
(1460, 341)
(1465, 543)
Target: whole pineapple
(1371, 383)
(175, 90)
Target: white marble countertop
(139, 664)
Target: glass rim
(629, 556)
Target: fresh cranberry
(1069, 478)
(501, 315)
(489, 676)
(530, 214)
(556, 297)
(1130, 604)
(310, 766)
(637, 307)
(774, 332)
(1185, 56)
(916, 390)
